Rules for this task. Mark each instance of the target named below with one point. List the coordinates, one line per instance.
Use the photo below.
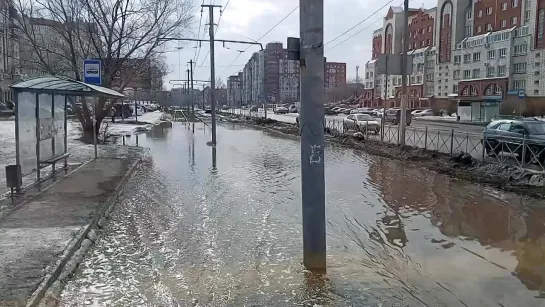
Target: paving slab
(35, 235)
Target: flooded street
(194, 231)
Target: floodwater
(194, 231)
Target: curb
(78, 246)
(451, 121)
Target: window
(514, 3)
(428, 42)
(504, 127)
(468, 15)
(526, 16)
(467, 74)
(467, 58)
(478, 29)
(491, 54)
(501, 70)
(519, 84)
(489, 27)
(503, 52)
(537, 64)
(429, 29)
(489, 11)
(456, 75)
(520, 68)
(476, 57)
(457, 59)
(491, 71)
(536, 92)
(504, 6)
(476, 73)
(520, 49)
(503, 23)
(480, 13)
(536, 82)
(455, 89)
(422, 43)
(514, 20)
(410, 34)
(468, 31)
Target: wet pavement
(194, 231)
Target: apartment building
(270, 77)
(234, 90)
(486, 51)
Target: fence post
(382, 127)
(484, 147)
(366, 129)
(426, 139)
(523, 158)
(467, 142)
(451, 141)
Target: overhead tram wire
(198, 46)
(349, 37)
(265, 34)
(361, 30)
(359, 23)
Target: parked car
(225, 107)
(293, 109)
(281, 110)
(362, 111)
(420, 113)
(394, 116)
(509, 135)
(361, 122)
(329, 111)
(254, 109)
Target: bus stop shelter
(41, 137)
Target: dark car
(523, 137)
(254, 109)
(394, 116)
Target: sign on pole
(92, 71)
(390, 64)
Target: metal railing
(519, 152)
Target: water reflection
(495, 221)
(214, 159)
(228, 233)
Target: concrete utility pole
(403, 117)
(212, 69)
(192, 91)
(311, 14)
(357, 79)
(188, 84)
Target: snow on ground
(129, 125)
(79, 151)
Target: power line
(361, 30)
(221, 14)
(198, 33)
(359, 23)
(270, 30)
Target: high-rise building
(234, 90)
(482, 53)
(270, 77)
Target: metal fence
(519, 152)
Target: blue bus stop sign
(92, 71)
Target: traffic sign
(92, 71)
(522, 94)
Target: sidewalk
(39, 236)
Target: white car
(361, 122)
(362, 111)
(419, 113)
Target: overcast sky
(243, 19)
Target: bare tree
(128, 37)
(220, 83)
